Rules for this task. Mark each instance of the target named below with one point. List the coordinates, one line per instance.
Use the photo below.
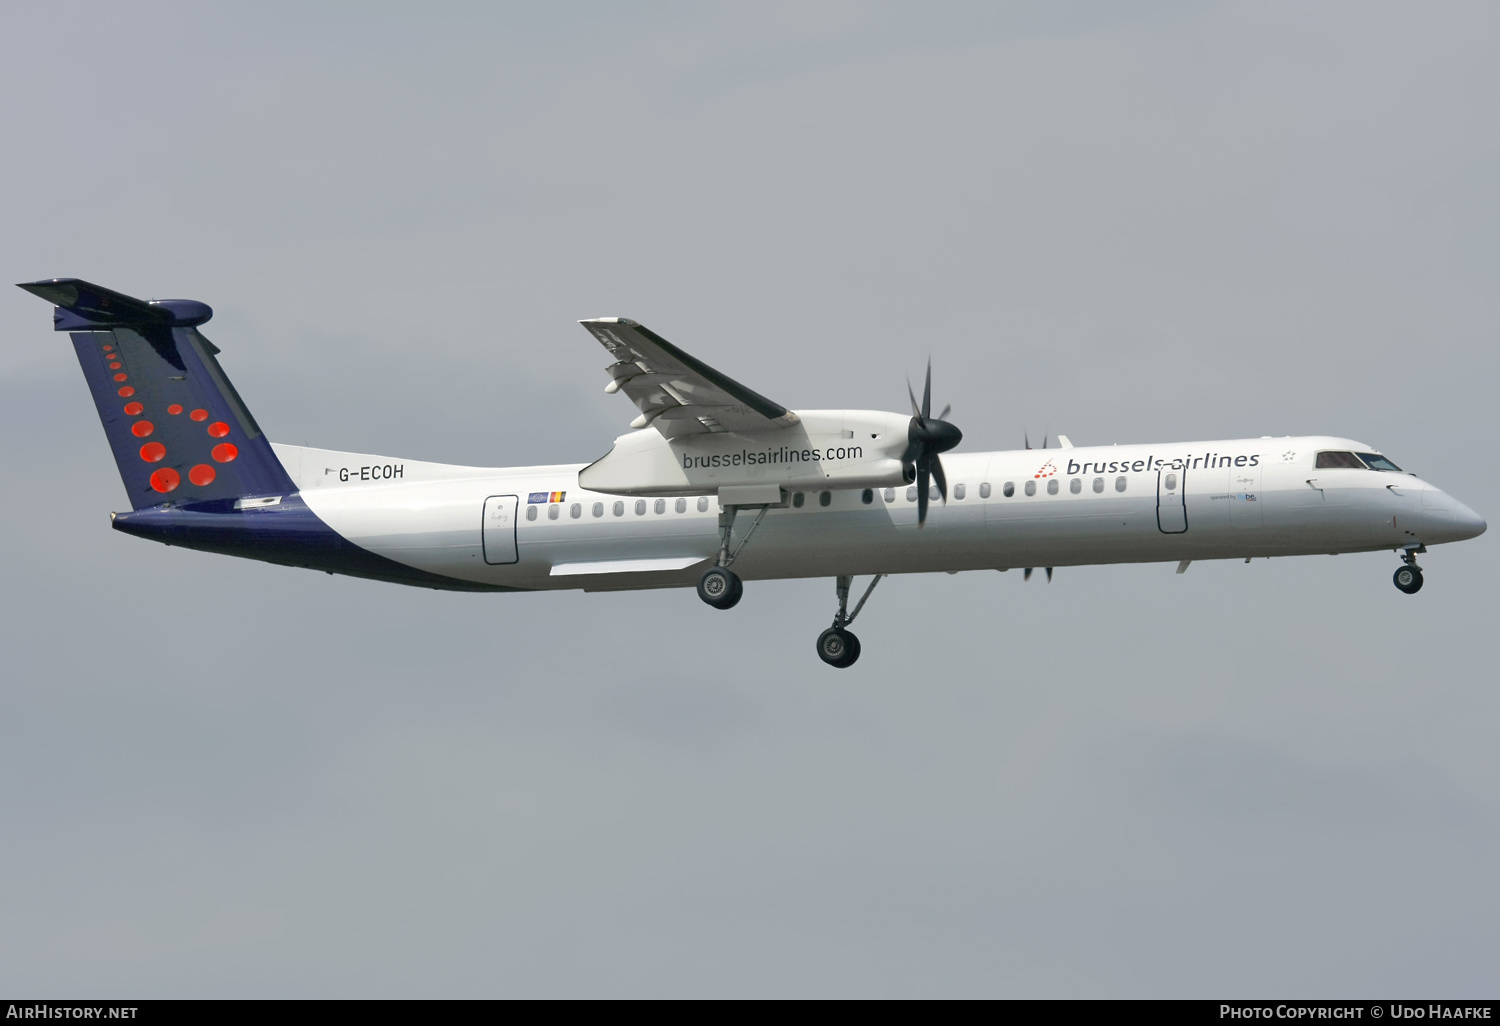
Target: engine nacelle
(824, 449)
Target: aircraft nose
(1445, 519)
(1466, 522)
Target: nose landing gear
(1408, 578)
(837, 646)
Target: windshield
(1339, 460)
(1375, 461)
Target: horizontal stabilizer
(84, 306)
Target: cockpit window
(1375, 461)
(1339, 460)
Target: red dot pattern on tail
(134, 409)
(224, 452)
(202, 475)
(142, 428)
(153, 452)
(165, 479)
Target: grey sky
(1184, 221)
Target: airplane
(713, 486)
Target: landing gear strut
(837, 646)
(1408, 578)
(720, 586)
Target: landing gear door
(1171, 501)
(499, 532)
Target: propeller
(1027, 575)
(926, 438)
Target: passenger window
(661, 506)
(1010, 489)
(1076, 485)
(1030, 487)
(640, 507)
(798, 499)
(889, 495)
(681, 505)
(1375, 461)
(932, 494)
(911, 494)
(1171, 481)
(619, 509)
(867, 496)
(530, 512)
(576, 510)
(984, 490)
(598, 509)
(1339, 461)
(958, 491)
(1120, 484)
(1052, 487)
(1098, 485)
(553, 510)
(702, 504)
(825, 498)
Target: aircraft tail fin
(179, 431)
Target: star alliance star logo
(1287, 457)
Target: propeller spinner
(926, 438)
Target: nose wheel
(1408, 578)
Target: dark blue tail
(181, 435)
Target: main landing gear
(838, 646)
(1408, 578)
(720, 586)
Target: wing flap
(675, 392)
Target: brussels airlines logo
(1155, 463)
(1049, 469)
(745, 457)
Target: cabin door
(499, 532)
(1171, 500)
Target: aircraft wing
(677, 394)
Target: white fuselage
(1105, 504)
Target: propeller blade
(1023, 434)
(922, 486)
(1027, 575)
(939, 477)
(1044, 441)
(946, 410)
(916, 411)
(1049, 575)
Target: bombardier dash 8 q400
(715, 485)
